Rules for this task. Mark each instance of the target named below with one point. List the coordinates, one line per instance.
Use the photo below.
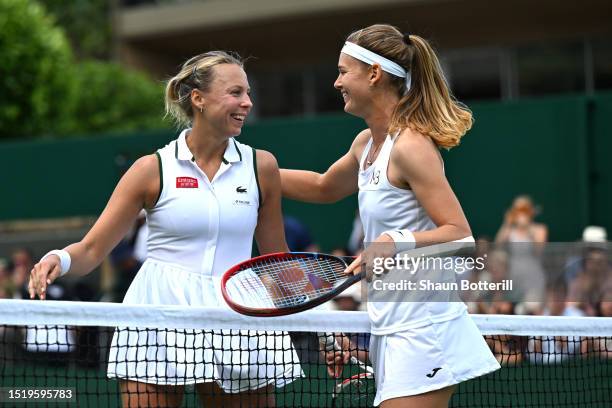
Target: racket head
(284, 283)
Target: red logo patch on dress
(186, 182)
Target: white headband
(369, 57)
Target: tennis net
(63, 352)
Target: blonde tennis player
(420, 350)
(204, 202)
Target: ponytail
(429, 107)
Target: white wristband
(64, 257)
(404, 239)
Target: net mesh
(194, 356)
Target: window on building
(327, 98)
(473, 74)
(278, 93)
(602, 63)
(550, 68)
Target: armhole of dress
(256, 175)
(161, 178)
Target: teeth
(238, 117)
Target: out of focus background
(81, 90)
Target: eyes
(239, 92)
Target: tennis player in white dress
(419, 349)
(206, 196)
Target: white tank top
(383, 207)
(204, 226)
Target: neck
(379, 118)
(206, 144)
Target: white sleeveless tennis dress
(416, 346)
(197, 230)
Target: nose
(247, 102)
(338, 83)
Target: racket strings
(290, 281)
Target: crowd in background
(571, 279)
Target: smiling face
(227, 103)
(352, 82)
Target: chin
(348, 109)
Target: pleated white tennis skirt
(238, 360)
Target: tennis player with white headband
(371, 58)
(419, 350)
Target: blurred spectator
(592, 235)
(297, 236)
(556, 301)
(350, 299)
(493, 301)
(473, 298)
(596, 234)
(525, 239)
(22, 263)
(507, 349)
(555, 349)
(342, 253)
(6, 284)
(585, 289)
(601, 346)
(604, 306)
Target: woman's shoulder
(147, 165)
(360, 142)
(412, 144)
(413, 139)
(265, 160)
(363, 136)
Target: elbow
(463, 231)
(93, 255)
(326, 193)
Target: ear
(375, 74)
(198, 100)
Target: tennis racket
(358, 390)
(286, 283)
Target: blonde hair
(429, 107)
(196, 73)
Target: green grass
(576, 383)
